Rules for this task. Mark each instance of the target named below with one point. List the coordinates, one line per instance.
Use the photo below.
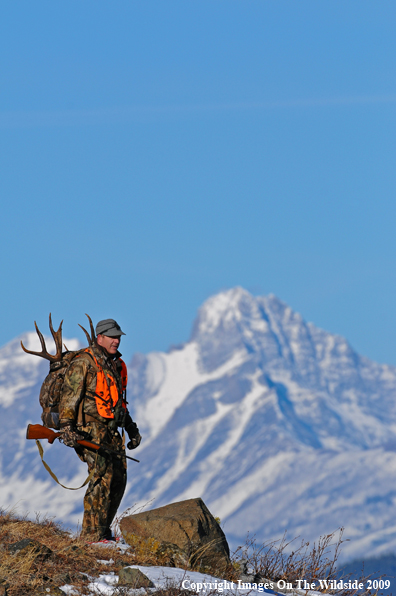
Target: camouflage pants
(107, 486)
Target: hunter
(93, 405)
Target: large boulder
(185, 532)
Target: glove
(69, 436)
(134, 436)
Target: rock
(131, 576)
(187, 530)
(247, 577)
(27, 544)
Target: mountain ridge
(259, 375)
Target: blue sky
(154, 153)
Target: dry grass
(276, 561)
(33, 570)
(56, 558)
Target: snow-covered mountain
(275, 423)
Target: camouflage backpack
(51, 389)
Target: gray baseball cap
(108, 327)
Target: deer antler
(90, 338)
(57, 335)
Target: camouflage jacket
(77, 405)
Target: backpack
(51, 389)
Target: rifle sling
(46, 466)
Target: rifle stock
(37, 431)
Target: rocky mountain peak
(232, 321)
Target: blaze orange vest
(106, 392)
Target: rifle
(37, 431)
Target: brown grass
(71, 561)
(276, 561)
(32, 572)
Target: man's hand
(69, 436)
(134, 436)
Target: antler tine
(41, 341)
(41, 337)
(43, 353)
(93, 336)
(86, 334)
(90, 338)
(57, 335)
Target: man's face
(110, 344)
